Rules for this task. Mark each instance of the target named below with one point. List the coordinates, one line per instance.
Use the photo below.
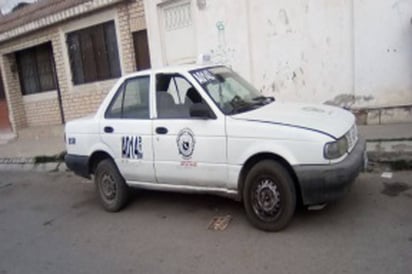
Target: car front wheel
(269, 196)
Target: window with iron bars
(93, 53)
(35, 68)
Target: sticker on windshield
(132, 147)
(186, 143)
(204, 76)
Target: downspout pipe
(59, 94)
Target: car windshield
(230, 91)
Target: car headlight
(336, 149)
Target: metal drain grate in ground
(220, 223)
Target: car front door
(127, 130)
(188, 151)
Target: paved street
(52, 223)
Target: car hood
(329, 120)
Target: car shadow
(191, 203)
(166, 204)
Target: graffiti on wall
(222, 54)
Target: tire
(111, 188)
(269, 196)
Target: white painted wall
(228, 45)
(307, 50)
(302, 49)
(383, 44)
(223, 33)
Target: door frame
(3, 97)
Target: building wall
(294, 50)
(28, 110)
(78, 100)
(14, 97)
(136, 15)
(42, 112)
(346, 52)
(223, 31)
(383, 44)
(302, 50)
(84, 99)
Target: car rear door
(127, 130)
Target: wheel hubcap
(108, 187)
(266, 200)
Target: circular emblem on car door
(185, 143)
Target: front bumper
(324, 183)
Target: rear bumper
(325, 183)
(78, 164)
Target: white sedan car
(204, 129)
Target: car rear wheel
(111, 187)
(269, 196)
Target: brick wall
(86, 99)
(126, 43)
(28, 112)
(137, 20)
(77, 100)
(42, 112)
(131, 19)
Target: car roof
(170, 69)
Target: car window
(115, 108)
(174, 96)
(177, 88)
(131, 100)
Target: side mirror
(200, 110)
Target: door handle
(108, 129)
(161, 130)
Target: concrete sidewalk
(38, 148)
(385, 143)
(35, 142)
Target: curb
(15, 165)
(41, 163)
(394, 153)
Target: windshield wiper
(263, 99)
(239, 105)
(243, 108)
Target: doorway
(141, 49)
(4, 112)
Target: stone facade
(77, 100)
